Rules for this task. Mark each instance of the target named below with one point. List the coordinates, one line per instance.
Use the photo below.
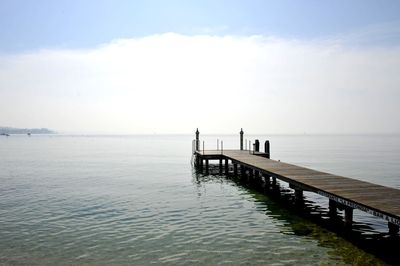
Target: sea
(138, 200)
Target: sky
(145, 67)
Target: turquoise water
(137, 200)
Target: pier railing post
(197, 140)
(241, 139)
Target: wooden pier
(342, 192)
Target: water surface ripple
(136, 200)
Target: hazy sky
(171, 66)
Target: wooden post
(348, 216)
(393, 229)
(273, 181)
(298, 195)
(207, 166)
(256, 145)
(251, 173)
(197, 140)
(241, 139)
(267, 180)
(259, 178)
(235, 168)
(266, 148)
(226, 167)
(220, 166)
(332, 208)
(242, 171)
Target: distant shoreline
(12, 130)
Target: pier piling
(332, 208)
(348, 216)
(393, 228)
(235, 168)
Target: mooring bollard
(256, 145)
(266, 148)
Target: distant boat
(5, 134)
(29, 134)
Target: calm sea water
(137, 200)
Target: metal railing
(249, 146)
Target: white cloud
(171, 83)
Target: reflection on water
(136, 200)
(312, 219)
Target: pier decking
(342, 192)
